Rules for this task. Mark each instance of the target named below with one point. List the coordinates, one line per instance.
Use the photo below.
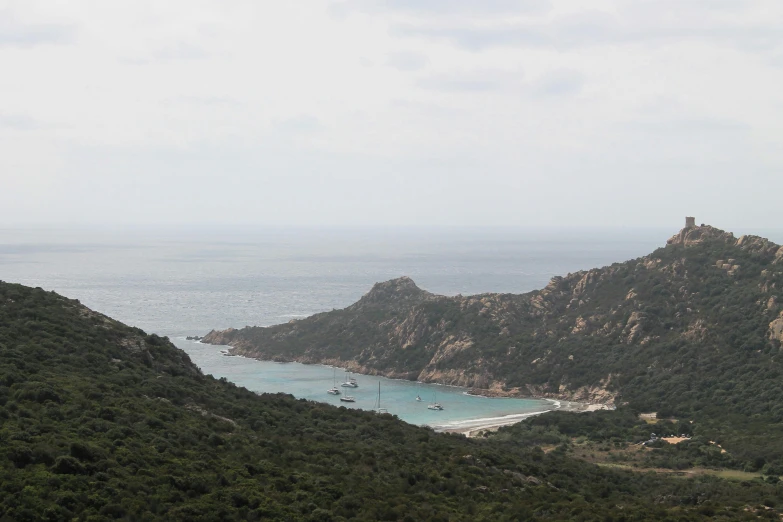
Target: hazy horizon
(670, 228)
(185, 284)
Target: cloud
(340, 117)
(476, 81)
(592, 28)
(694, 126)
(776, 60)
(478, 38)
(175, 52)
(553, 83)
(677, 9)
(407, 61)
(208, 101)
(668, 135)
(452, 83)
(441, 7)
(560, 82)
(19, 34)
(301, 124)
(180, 51)
(19, 122)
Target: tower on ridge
(690, 222)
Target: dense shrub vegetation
(101, 421)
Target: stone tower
(690, 222)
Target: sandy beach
(479, 426)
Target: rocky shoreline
(583, 399)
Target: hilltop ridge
(632, 332)
(399, 291)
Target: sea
(186, 281)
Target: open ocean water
(187, 282)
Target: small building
(690, 222)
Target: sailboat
(434, 405)
(334, 390)
(350, 382)
(378, 408)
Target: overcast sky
(396, 112)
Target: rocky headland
(635, 331)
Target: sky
(391, 112)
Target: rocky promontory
(636, 331)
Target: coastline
(475, 427)
(469, 427)
(493, 391)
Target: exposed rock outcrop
(694, 235)
(776, 328)
(560, 342)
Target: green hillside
(101, 421)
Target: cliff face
(614, 332)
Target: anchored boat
(350, 382)
(434, 405)
(334, 390)
(378, 408)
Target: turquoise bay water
(310, 381)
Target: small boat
(434, 405)
(348, 398)
(334, 390)
(350, 382)
(378, 408)
(418, 398)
